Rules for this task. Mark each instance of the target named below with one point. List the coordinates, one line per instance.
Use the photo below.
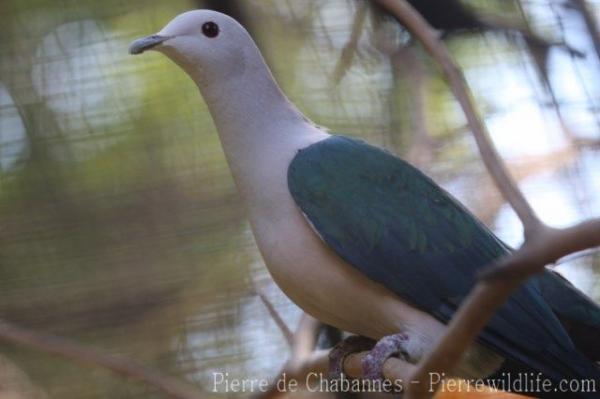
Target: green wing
(399, 228)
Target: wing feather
(401, 229)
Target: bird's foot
(337, 355)
(392, 345)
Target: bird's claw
(372, 364)
(337, 355)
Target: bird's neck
(249, 107)
(258, 126)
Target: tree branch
(428, 37)
(350, 48)
(496, 284)
(117, 364)
(548, 246)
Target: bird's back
(398, 227)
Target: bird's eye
(210, 29)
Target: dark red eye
(210, 29)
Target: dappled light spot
(80, 73)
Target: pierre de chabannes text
(317, 382)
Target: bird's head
(206, 44)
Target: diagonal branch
(421, 30)
(117, 364)
(349, 49)
(496, 284)
(590, 21)
(277, 319)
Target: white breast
(327, 287)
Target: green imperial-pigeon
(362, 240)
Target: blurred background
(119, 222)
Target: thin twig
(548, 246)
(421, 30)
(287, 333)
(349, 49)
(76, 352)
(590, 22)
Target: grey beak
(146, 43)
